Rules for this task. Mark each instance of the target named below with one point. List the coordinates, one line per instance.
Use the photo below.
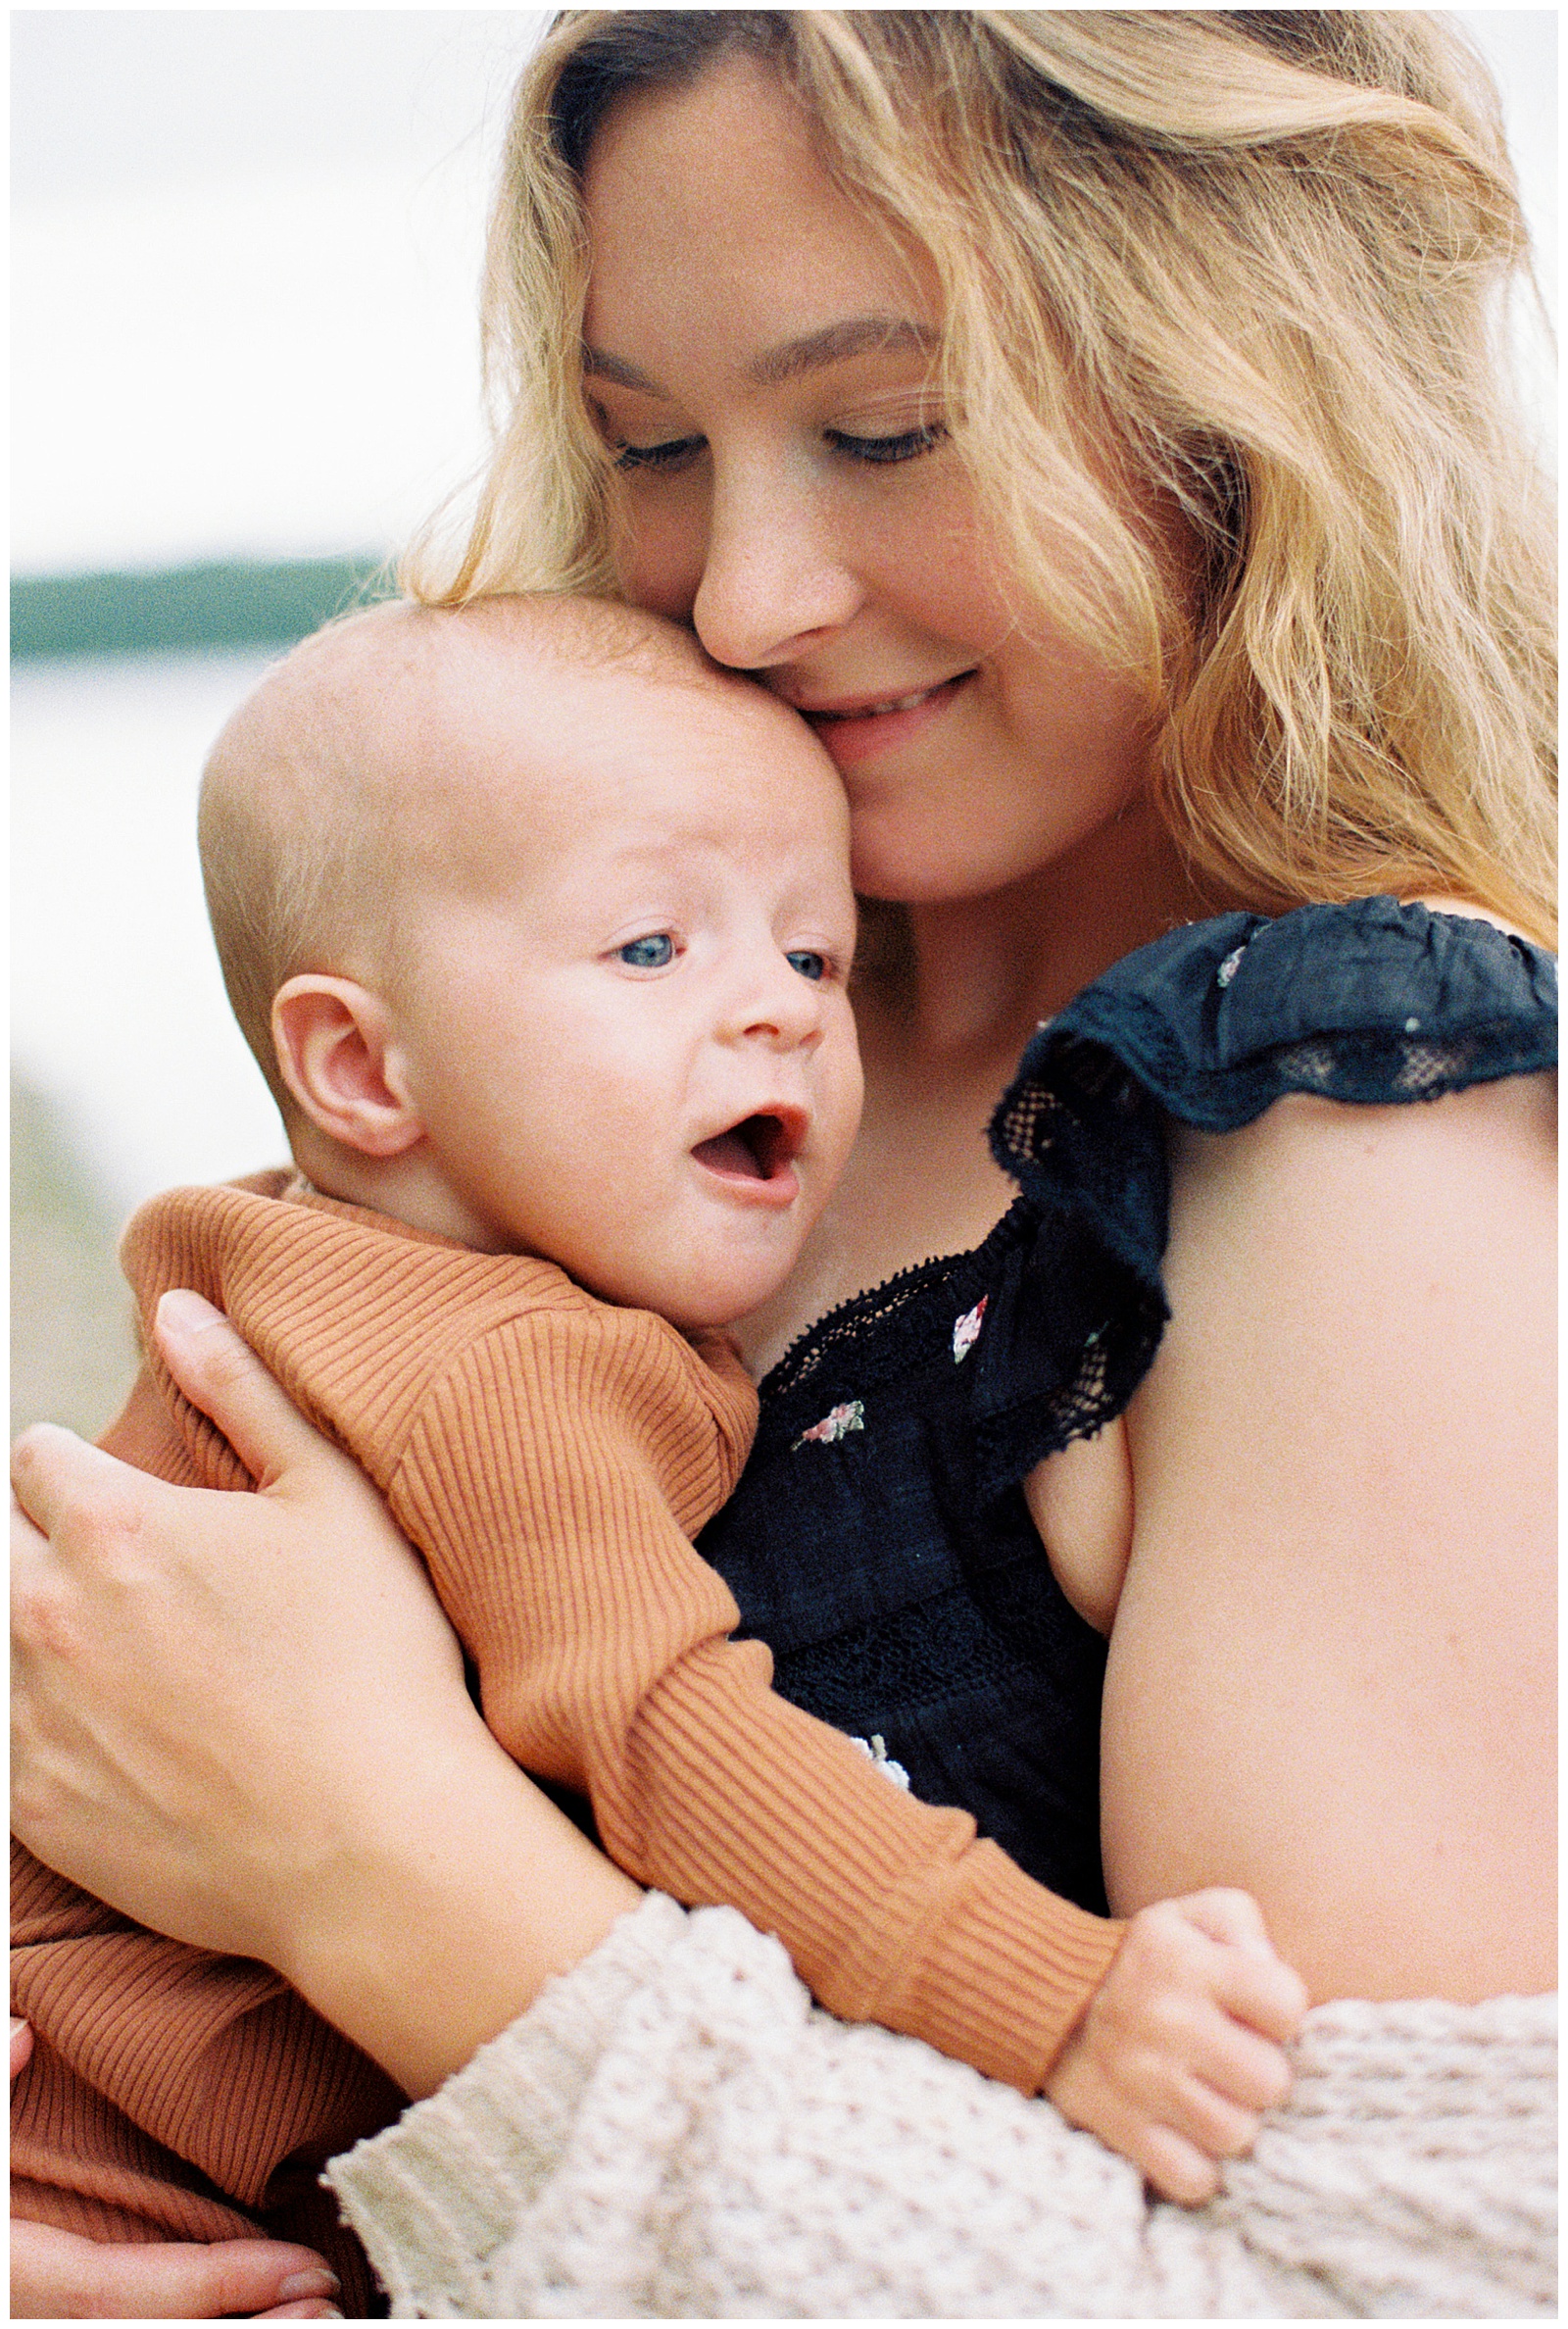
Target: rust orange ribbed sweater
(552, 1457)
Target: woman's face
(760, 354)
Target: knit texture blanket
(674, 2131)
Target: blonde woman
(1096, 424)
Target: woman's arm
(673, 2132)
(345, 1861)
(246, 1781)
(1331, 1676)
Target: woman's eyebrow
(858, 335)
(834, 343)
(598, 366)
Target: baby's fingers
(1263, 1991)
(1245, 2069)
(1207, 2117)
(1172, 2167)
(1256, 1983)
(1168, 2158)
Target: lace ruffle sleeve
(1371, 1003)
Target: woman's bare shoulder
(1469, 911)
(1343, 1543)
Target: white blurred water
(118, 1013)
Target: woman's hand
(242, 1720)
(58, 2276)
(182, 1659)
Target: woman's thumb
(219, 1373)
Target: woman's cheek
(659, 554)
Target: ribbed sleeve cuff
(1002, 1973)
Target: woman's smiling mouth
(854, 731)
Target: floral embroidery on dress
(966, 1333)
(875, 1748)
(836, 1424)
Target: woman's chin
(917, 873)
(900, 869)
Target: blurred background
(246, 249)
(246, 246)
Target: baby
(541, 928)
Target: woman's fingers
(60, 2276)
(212, 1694)
(219, 1373)
(21, 2045)
(54, 1475)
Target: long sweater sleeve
(673, 2132)
(552, 1457)
(553, 1480)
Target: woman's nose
(772, 581)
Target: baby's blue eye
(810, 966)
(649, 954)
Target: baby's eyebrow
(813, 351)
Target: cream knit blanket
(674, 2131)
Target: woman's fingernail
(185, 1313)
(17, 2023)
(319, 2283)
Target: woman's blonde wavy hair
(1256, 264)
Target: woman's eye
(648, 954)
(671, 452)
(907, 445)
(810, 966)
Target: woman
(1093, 424)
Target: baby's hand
(1181, 2051)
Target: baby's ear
(337, 1053)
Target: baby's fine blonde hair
(1256, 266)
(354, 755)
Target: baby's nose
(781, 1004)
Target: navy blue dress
(879, 1542)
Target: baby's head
(539, 926)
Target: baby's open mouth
(759, 1148)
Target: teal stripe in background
(230, 604)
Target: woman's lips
(860, 733)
